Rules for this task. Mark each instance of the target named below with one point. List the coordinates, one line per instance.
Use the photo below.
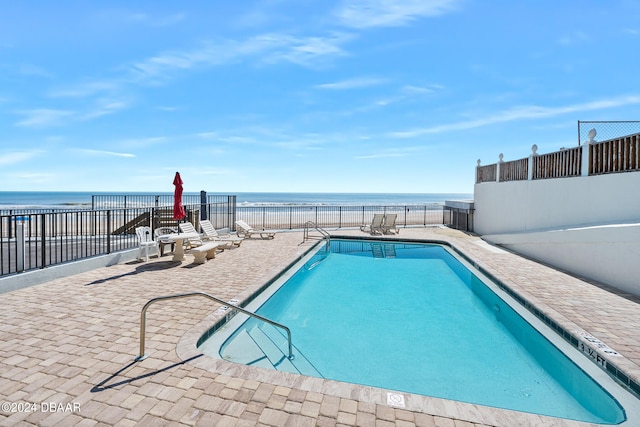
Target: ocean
(82, 200)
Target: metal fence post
(109, 231)
(203, 205)
(20, 252)
(406, 209)
(579, 136)
(43, 231)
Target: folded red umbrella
(178, 209)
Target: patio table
(178, 239)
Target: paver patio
(67, 347)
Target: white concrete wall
(518, 206)
(39, 276)
(588, 226)
(608, 254)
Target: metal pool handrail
(311, 224)
(143, 316)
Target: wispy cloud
(355, 83)
(266, 48)
(404, 94)
(520, 113)
(309, 52)
(41, 117)
(105, 153)
(14, 157)
(104, 107)
(263, 49)
(47, 117)
(420, 90)
(85, 89)
(390, 13)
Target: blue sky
(302, 95)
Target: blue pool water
(412, 318)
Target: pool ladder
(324, 233)
(143, 318)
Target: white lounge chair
(210, 233)
(245, 230)
(201, 251)
(187, 227)
(146, 242)
(376, 225)
(389, 224)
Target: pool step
(302, 364)
(275, 356)
(264, 346)
(243, 349)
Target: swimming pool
(414, 318)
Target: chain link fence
(606, 130)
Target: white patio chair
(160, 231)
(146, 243)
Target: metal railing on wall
(39, 240)
(294, 217)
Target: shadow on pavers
(102, 386)
(156, 266)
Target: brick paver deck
(67, 346)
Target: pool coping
(187, 351)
